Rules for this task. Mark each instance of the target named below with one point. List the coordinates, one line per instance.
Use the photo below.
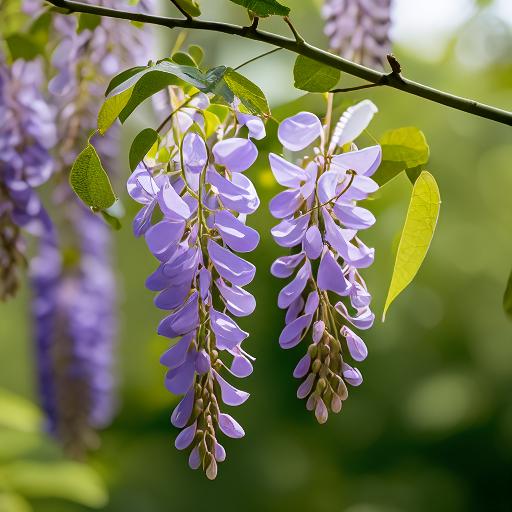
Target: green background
(431, 427)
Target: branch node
(253, 27)
(396, 69)
(298, 38)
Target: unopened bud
(310, 404)
(318, 330)
(342, 390)
(336, 404)
(211, 470)
(321, 412)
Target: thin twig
(370, 75)
(257, 58)
(356, 88)
(298, 38)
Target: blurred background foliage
(431, 428)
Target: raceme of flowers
(358, 30)
(25, 163)
(194, 222)
(74, 304)
(320, 224)
(74, 324)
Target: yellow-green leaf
(90, 182)
(249, 94)
(111, 109)
(10, 502)
(312, 76)
(18, 413)
(69, 480)
(403, 149)
(507, 298)
(417, 234)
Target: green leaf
(183, 58)
(22, 46)
(417, 234)
(87, 21)
(90, 181)
(68, 480)
(264, 8)
(112, 221)
(122, 77)
(40, 28)
(189, 74)
(142, 83)
(141, 145)
(211, 123)
(111, 109)
(197, 53)
(221, 111)
(507, 297)
(189, 6)
(402, 149)
(18, 413)
(249, 94)
(13, 503)
(313, 76)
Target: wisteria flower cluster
(320, 223)
(359, 29)
(74, 298)
(25, 163)
(193, 219)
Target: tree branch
(303, 48)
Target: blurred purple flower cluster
(72, 277)
(320, 222)
(202, 198)
(74, 299)
(358, 30)
(27, 133)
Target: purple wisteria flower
(74, 324)
(27, 132)
(202, 198)
(73, 281)
(358, 30)
(320, 223)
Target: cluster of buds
(27, 133)
(358, 30)
(197, 185)
(320, 222)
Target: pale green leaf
(87, 21)
(313, 76)
(211, 123)
(191, 7)
(183, 58)
(416, 235)
(141, 145)
(249, 94)
(111, 109)
(197, 53)
(402, 149)
(264, 8)
(10, 502)
(507, 297)
(18, 413)
(90, 182)
(68, 480)
(23, 46)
